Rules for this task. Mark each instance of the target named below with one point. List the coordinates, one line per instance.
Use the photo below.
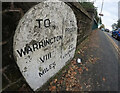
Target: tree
(118, 23)
(87, 5)
(90, 6)
(102, 26)
(83, 0)
(114, 26)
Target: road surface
(114, 55)
(99, 69)
(103, 74)
(116, 41)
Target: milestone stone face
(45, 39)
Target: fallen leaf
(86, 69)
(55, 80)
(67, 89)
(51, 83)
(80, 69)
(66, 75)
(53, 88)
(74, 73)
(61, 81)
(78, 52)
(88, 86)
(91, 55)
(85, 84)
(103, 79)
(71, 68)
(71, 77)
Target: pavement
(98, 70)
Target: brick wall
(12, 80)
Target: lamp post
(101, 14)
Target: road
(109, 61)
(98, 70)
(103, 74)
(115, 61)
(116, 41)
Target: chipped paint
(44, 41)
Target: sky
(110, 11)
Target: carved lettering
(27, 49)
(46, 22)
(47, 69)
(45, 57)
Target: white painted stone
(61, 35)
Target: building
(95, 24)
(119, 10)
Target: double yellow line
(114, 44)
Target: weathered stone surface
(44, 41)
